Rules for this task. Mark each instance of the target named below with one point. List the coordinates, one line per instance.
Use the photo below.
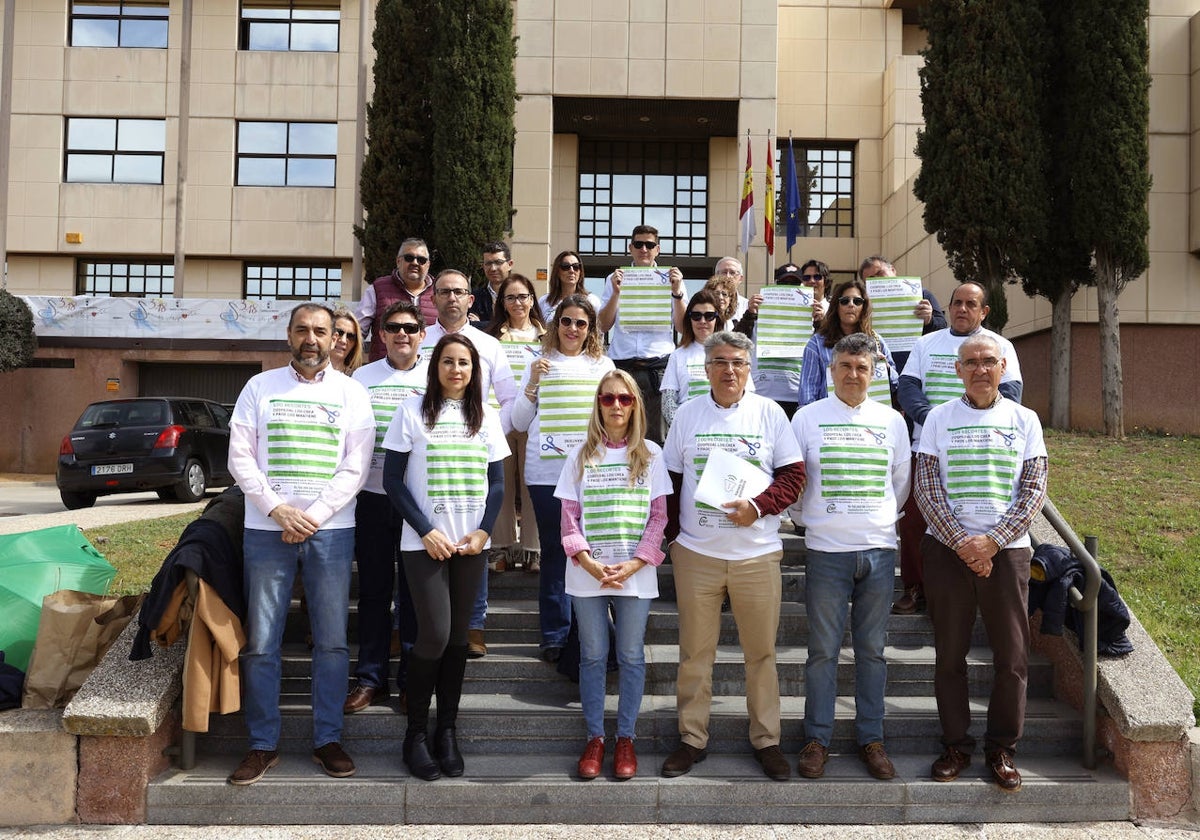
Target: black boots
(424, 758)
(449, 693)
(422, 677)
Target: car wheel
(194, 483)
(77, 501)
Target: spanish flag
(769, 213)
(746, 212)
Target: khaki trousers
(755, 588)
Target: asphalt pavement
(30, 502)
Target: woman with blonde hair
(613, 490)
(346, 354)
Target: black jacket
(1054, 571)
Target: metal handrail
(1085, 603)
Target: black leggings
(443, 595)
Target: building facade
(240, 184)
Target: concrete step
(727, 788)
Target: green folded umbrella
(35, 564)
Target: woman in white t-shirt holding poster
(444, 472)
(613, 490)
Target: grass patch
(1140, 496)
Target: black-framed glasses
(571, 266)
(846, 300)
(393, 327)
(525, 298)
(577, 323)
(414, 258)
(644, 245)
(703, 316)
(338, 332)
(608, 400)
(453, 292)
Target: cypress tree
(982, 150)
(18, 341)
(474, 96)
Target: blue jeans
(376, 544)
(592, 618)
(867, 579)
(270, 569)
(479, 610)
(554, 605)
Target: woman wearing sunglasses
(346, 354)
(849, 313)
(553, 409)
(566, 279)
(613, 491)
(517, 320)
(684, 377)
(443, 472)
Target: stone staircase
(521, 731)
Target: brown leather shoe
(912, 601)
(362, 696)
(876, 758)
(774, 765)
(681, 760)
(1004, 772)
(812, 760)
(333, 760)
(625, 760)
(253, 767)
(476, 649)
(592, 759)
(949, 764)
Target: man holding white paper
(731, 550)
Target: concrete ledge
(38, 768)
(127, 698)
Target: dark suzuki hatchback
(175, 445)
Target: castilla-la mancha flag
(746, 211)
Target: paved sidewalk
(968, 831)
(38, 494)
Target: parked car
(178, 446)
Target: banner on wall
(85, 316)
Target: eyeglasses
(570, 266)
(737, 365)
(846, 300)
(643, 245)
(577, 323)
(494, 263)
(413, 258)
(341, 333)
(608, 400)
(729, 272)
(453, 292)
(525, 298)
(811, 278)
(393, 327)
(989, 363)
(703, 316)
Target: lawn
(1139, 496)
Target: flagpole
(769, 212)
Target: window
(280, 154)
(826, 192)
(623, 184)
(294, 25)
(125, 278)
(115, 151)
(284, 281)
(125, 23)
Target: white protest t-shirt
(932, 362)
(981, 453)
(447, 468)
(756, 430)
(614, 516)
(685, 374)
(857, 466)
(388, 388)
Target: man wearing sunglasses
(410, 281)
(391, 380)
(642, 354)
(497, 265)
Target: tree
(982, 150)
(397, 179)
(18, 342)
(1106, 51)
(440, 130)
(474, 99)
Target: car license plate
(112, 469)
